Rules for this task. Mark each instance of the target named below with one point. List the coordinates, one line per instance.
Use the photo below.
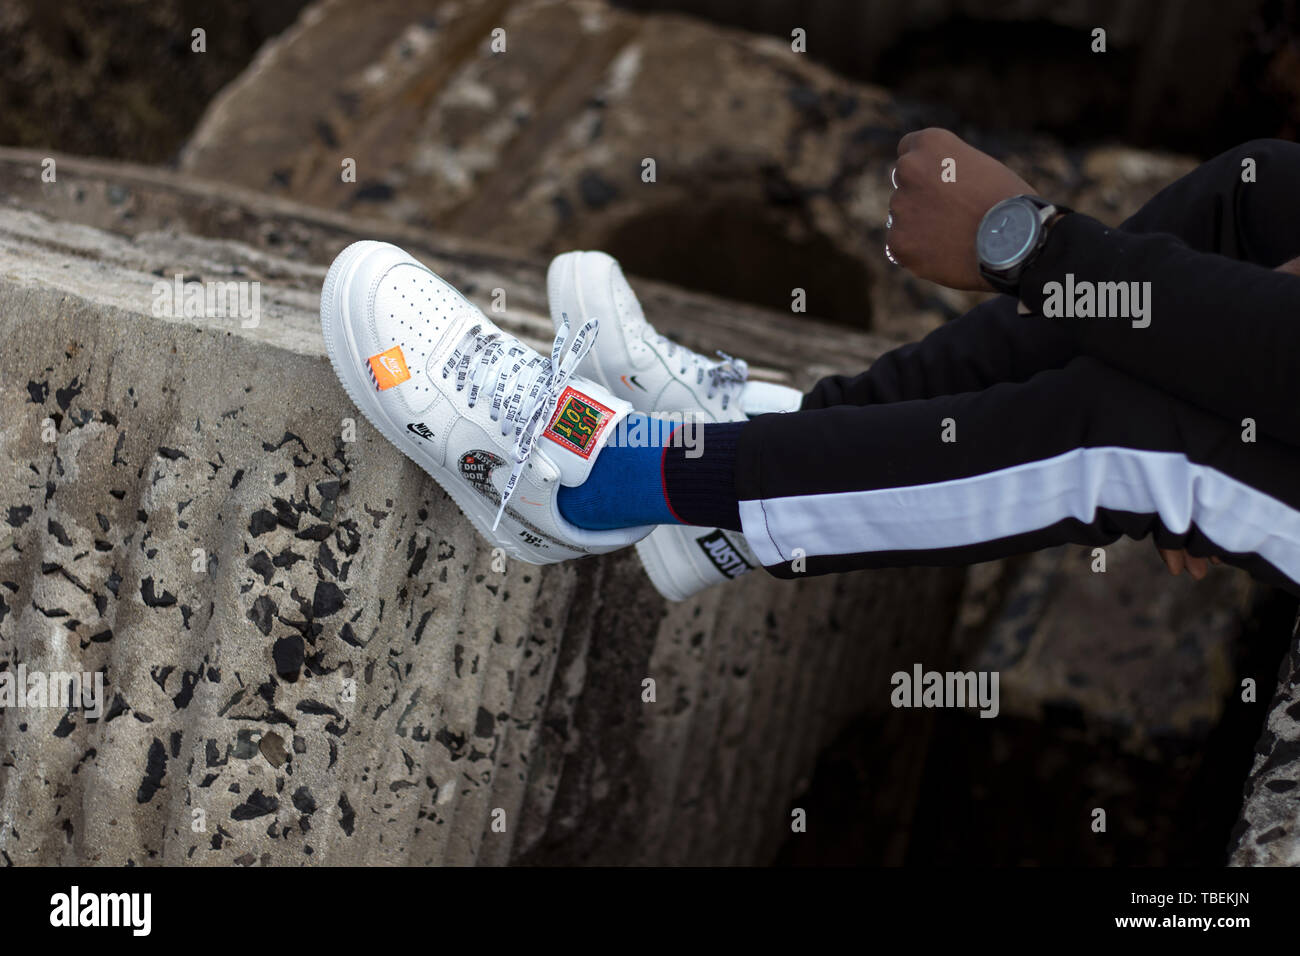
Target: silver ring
(893, 176)
(889, 255)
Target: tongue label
(725, 556)
(578, 422)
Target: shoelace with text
(727, 376)
(525, 385)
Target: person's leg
(627, 485)
(1214, 209)
(987, 345)
(1082, 454)
(1218, 333)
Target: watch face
(1007, 233)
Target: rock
(122, 80)
(1172, 70)
(327, 592)
(771, 172)
(1129, 654)
(1268, 831)
(1118, 691)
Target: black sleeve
(1222, 334)
(1214, 208)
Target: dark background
(115, 78)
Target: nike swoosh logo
(633, 382)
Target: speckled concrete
(340, 675)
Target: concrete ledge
(308, 656)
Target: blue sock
(626, 485)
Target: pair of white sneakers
(502, 427)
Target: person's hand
(1291, 266)
(933, 220)
(1177, 560)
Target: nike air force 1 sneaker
(630, 358)
(498, 426)
(657, 375)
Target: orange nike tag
(389, 368)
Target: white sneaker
(656, 374)
(497, 425)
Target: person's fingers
(1197, 567)
(905, 169)
(1173, 561)
(1291, 265)
(1215, 559)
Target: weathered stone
(771, 173)
(1268, 832)
(1129, 653)
(122, 79)
(1169, 73)
(200, 533)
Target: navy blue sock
(637, 480)
(701, 481)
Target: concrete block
(308, 655)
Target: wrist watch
(1009, 238)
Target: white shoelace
(727, 376)
(524, 390)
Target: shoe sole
(657, 569)
(334, 327)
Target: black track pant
(1002, 433)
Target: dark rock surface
(120, 77)
(1268, 833)
(771, 172)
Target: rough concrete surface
(308, 655)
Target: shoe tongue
(581, 424)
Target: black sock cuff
(702, 490)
